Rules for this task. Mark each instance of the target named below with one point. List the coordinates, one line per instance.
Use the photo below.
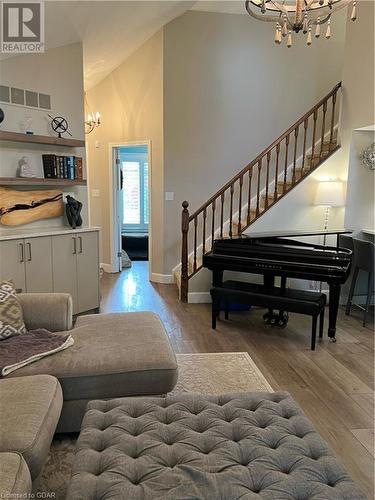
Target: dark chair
(347, 242)
(363, 260)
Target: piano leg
(270, 317)
(217, 278)
(334, 298)
(269, 283)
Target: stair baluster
(231, 211)
(213, 208)
(240, 205)
(276, 195)
(305, 126)
(222, 214)
(267, 178)
(313, 140)
(286, 161)
(195, 243)
(184, 252)
(323, 130)
(249, 197)
(204, 231)
(295, 154)
(334, 96)
(258, 187)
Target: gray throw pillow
(11, 315)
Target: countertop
(17, 233)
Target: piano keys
(276, 255)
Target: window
(135, 195)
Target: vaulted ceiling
(110, 30)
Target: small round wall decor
(368, 157)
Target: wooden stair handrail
(265, 151)
(318, 153)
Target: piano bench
(289, 299)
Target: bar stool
(347, 242)
(363, 260)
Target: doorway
(135, 201)
(131, 204)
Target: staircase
(259, 186)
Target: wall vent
(21, 97)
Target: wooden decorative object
(23, 207)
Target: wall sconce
(93, 121)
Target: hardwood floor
(334, 385)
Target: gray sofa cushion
(241, 446)
(113, 355)
(15, 480)
(29, 411)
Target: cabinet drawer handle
(29, 252)
(21, 253)
(74, 246)
(80, 244)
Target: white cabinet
(66, 263)
(38, 263)
(28, 263)
(12, 263)
(65, 266)
(76, 268)
(87, 271)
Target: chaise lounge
(114, 355)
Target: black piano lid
(293, 233)
(273, 243)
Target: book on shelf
(49, 166)
(62, 167)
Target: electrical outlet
(169, 196)
(95, 193)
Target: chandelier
(298, 15)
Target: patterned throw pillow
(11, 316)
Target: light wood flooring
(334, 385)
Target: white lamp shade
(330, 193)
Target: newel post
(184, 252)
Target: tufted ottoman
(241, 446)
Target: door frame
(113, 205)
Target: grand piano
(277, 255)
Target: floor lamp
(329, 194)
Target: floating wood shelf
(35, 181)
(41, 139)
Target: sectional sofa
(114, 355)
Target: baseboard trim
(107, 268)
(162, 278)
(199, 298)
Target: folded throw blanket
(22, 350)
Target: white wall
(130, 101)
(359, 112)
(59, 73)
(360, 203)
